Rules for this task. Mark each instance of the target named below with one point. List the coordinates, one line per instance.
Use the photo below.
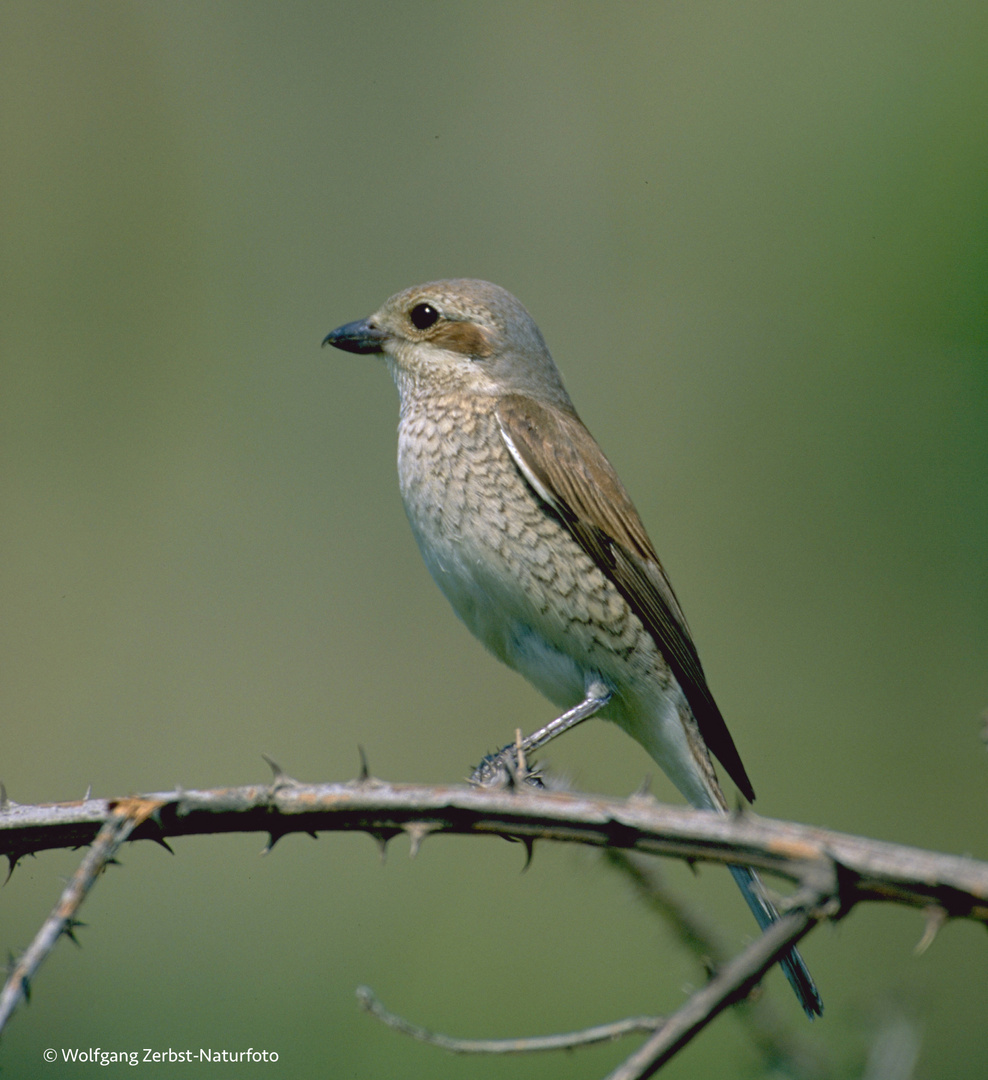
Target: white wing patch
(542, 491)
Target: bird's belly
(499, 604)
(554, 667)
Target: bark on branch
(832, 871)
(839, 865)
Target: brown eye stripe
(462, 337)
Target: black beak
(356, 337)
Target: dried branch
(784, 1052)
(63, 920)
(633, 1025)
(833, 871)
(730, 985)
(835, 864)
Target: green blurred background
(755, 237)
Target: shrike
(526, 528)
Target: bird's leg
(598, 695)
(505, 763)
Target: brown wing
(567, 469)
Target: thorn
(113, 861)
(692, 864)
(26, 989)
(273, 838)
(417, 832)
(312, 833)
(643, 793)
(13, 857)
(162, 842)
(69, 929)
(529, 842)
(4, 801)
(514, 768)
(281, 778)
(89, 793)
(364, 776)
(383, 838)
(935, 916)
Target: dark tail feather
(791, 963)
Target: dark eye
(423, 316)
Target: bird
(526, 528)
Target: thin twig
(129, 815)
(634, 1025)
(784, 1053)
(732, 984)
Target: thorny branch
(833, 871)
(851, 868)
(128, 814)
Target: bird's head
(459, 335)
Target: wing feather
(567, 469)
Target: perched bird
(526, 528)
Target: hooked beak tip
(356, 337)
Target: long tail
(791, 963)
